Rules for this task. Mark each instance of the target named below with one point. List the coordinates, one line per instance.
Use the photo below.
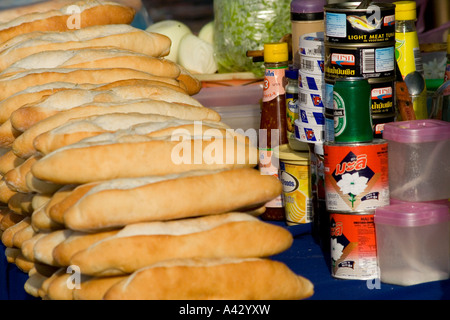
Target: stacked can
(309, 127)
(361, 43)
(359, 92)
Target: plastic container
(413, 243)
(418, 159)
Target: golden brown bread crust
(9, 161)
(43, 248)
(255, 279)
(94, 288)
(92, 13)
(21, 203)
(158, 201)
(9, 218)
(8, 234)
(23, 145)
(235, 235)
(119, 36)
(16, 178)
(5, 192)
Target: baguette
(152, 199)
(5, 192)
(40, 199)
(36, 185)
(226, 279)
(23, 235)
(24, 117)
(76, 242)
(41, 222)
(35, 94)
(9, 219)
(9, 161)
(21, 203)
(136, 246)
(78, 129)
(23, 145)
(8, 134)
(10, 85)
(98, 57)
(16, 178)
(43, 248)
(94, 288)
(11, 254)
(90, 13)
(24, 264)
(121, 36)
(28, 246)
(34, 283)
(8, 234)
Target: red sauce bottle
(273, 124)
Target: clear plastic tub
(419, 153)
(413, 243)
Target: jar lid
(276, 52)
(285, 153)
(417, 131)
(413, 214)
(405, 10)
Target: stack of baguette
(116, 182)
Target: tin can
(356, 176)
(311, 82)
(309, 133)
(378, 122)
(312, 65)
(312, 44)
(352, 110)
(344, 23)
(295, 178)
(310, 98)
(374, 61)
(353, 246)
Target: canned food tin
(355, 61)
(378, 122)
(311, 82)
(351, 112)
(353, 246)
(312, 65)
(356, 176)
(344, 23)
(312, 44)
(295, 178)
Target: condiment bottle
(273, 119)
(307, 16)
(407, 51)
(291, 106)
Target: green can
(352, 110)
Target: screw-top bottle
(273, 118)
(307, 16)
(407, 51)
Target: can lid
(285, 153)
(405, 10)
(412, 214)
(417, 131)
(276, 52)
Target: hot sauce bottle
(273, 124)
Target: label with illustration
(353, 246)
(356, 176)
(297, 197)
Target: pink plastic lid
(417, 131)
(412, 214)
(445, 202)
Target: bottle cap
(276, 52)
(405, 10)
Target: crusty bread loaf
(9, 218)
(8, 234)
(76, 242)
(5, 192)
(39, 186)
(227, 279)
(94, 288)
(28, 246)
(43, 248)
(21, 203)
(153, 199)
(24, 264)
(136, 246)
(24, 117)
(34, 94)
(23, 145)
(16, 178)
(11, 254)
(90, 13)
(98, 57)
(10, 85)
(23, 235)
(121, 36)
(9, 161)
(8, 134)
(77, 129)
(41, 222)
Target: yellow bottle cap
(276, 52)
(405, 10)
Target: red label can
(353, 246)
(356, 176)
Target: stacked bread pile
(116, 183)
